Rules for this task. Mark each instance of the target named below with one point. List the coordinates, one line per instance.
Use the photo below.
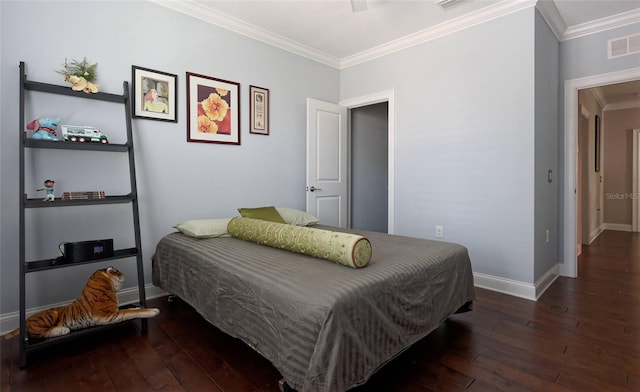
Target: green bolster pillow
(347, 249)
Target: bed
(324, 326)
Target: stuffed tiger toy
(96, 305)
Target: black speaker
(88, 250)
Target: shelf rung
(63, 90)
(47, 264)
(34, 344)
(39, 203)
(87, 146)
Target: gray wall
(369, 167)
(547, 60)
(464, 140)
(176, 180)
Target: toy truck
(75, 133)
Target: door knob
(313, 188)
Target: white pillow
(204, 228)
(297, 217)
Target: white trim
(635, 226)
(451, 26)
(622, 106)
(11, 321)
(553, 18)
(599, 25)
(502, 8)
(571, 87)
(505, 286)
(206, 14)
(517, 288)
(228, 22)
(596, 232)
(546, 280)
(616, 227)
(389, 97)
(599, 96)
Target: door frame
(582, 163)
(569, 267)
(389, 97)
(635, 200)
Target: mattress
(324, 326)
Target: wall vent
(624, 46)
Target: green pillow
(204, 228)
(263, 213)
(296, 217)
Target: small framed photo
(213, 108)
(259, 110)
(154, 94)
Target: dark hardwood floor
(582, 335)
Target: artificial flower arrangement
(81, 75)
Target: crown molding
(606, 106)
(471, 19)
(505, 7)
(596, 26)
(239, 26)
(553, 18)
(599, 96)
(622, 105)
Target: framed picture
(597, 147)
(154, 94)
(213, 107)
(259, 110)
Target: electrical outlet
(439, 231)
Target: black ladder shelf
(30, 266)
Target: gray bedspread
(324, 326)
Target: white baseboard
(595, 233)
(547, 280)
(618, 227)
(517, 288)
(11, 321)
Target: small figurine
(45, 128)
(48, 190)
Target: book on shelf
(90, 195)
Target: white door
(327, 162)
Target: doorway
(369, 167)
(569, 267)
(328, 162)
(387, 97)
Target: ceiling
(329, 31)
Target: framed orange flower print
(213, 107)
